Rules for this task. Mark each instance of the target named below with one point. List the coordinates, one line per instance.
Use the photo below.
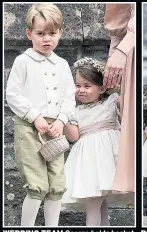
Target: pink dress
(120, 22)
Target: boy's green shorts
(41, 179)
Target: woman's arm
(144, 137)
(116, 21)
(128, 42)
(120, 27)
(71, 132)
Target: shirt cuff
(63, 117)
(127, 44)
(31, 115)
(115, 40)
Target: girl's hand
(115, 69)
(41, 125)
(56, 129)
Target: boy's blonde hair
(49, 12)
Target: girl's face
(43, 41)
(86, 91)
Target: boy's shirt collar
(36, 56)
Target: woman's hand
(115, 69)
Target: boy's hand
(56, 128)
(41, 125)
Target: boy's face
(43, 40)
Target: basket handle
(40, 138)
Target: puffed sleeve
(117, 17)
(112, 100)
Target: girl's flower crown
(100, 66)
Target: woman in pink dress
(120, 22)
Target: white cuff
(63, 117)
(31, 115)
(127, 44)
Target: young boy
(41, 92)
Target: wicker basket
(52, 149)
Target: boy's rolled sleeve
(68, 102)
(63, 117)
(31, 115)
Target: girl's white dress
(91, 164)
(145, 159)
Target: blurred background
(145, 44)
(144, 53)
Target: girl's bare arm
(71, 132)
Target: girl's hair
(49, 12)
(91, 70)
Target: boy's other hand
(41, 125)
(56, 128)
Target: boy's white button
(49, 102)
(55, 88)
(53, 74)
(45, 73)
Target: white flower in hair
(88, 60)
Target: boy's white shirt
(41, 85)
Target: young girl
(91, 164)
